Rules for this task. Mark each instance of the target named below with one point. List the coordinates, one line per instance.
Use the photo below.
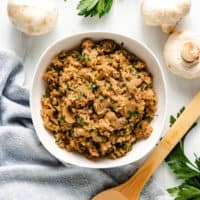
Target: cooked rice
(99, 99)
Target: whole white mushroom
(182, 54)
(165, 13)
(33, 17)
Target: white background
(124, 18)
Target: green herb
(143, 86)
(61, 118)
(80, 121)
(61, 93)
(120, 75)
(81, 94)
(180, 112)
(57, 140)
(86, 58)
(173, 119)
(184, 169)
(126, 87)
(68, 88)
(95, 130)
(135, 73)
(71, 132)
(93, 86)
(127, 122)
(133, 114)
(56, 68)
(80, 78)
(126, 147)
(94, 7)
(110, 86)
(113, 106)
(148, 119)
(78, 57)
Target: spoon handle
(132, 188)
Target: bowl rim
(81, 34)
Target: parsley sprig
(94, 7)
(184, 169)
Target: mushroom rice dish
(99, 99)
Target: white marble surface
(125, 19)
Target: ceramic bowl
(140, 148)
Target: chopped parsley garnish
(86, 58)
(113, 106)
(127, 122)
(120, 75)
(56, 68)
(68, 88)
(71, 132)
(61, 93)
(80, 78)
(126, 147)
(135, 73)
(172, 120)
(95, 130)
(57, 140)
(61, 118)
(80, 121)
(78, 57)
(110, 86)
(148, 119)
(133, 114)
(144, 86)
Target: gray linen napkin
(27, 170)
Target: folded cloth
(27, 170)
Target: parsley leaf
(80, 121)
(94, 7)
(184, 169)
(133, 114)
(143, 87)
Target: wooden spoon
(131, 189)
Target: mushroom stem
(190, 53)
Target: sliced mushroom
(116, 123)
(164, 13)
(101, 106)
(182, 52)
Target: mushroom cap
(165, 14)
(182, 53)
(33, 17)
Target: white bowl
(141, 148)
